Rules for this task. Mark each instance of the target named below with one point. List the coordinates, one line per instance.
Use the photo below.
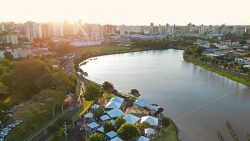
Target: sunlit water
(199, 101)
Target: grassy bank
(169, 134)
(219, 71)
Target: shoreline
(218, 71)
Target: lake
(198, 100)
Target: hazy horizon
(129, 12)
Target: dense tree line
(24, 79)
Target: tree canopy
(107, 86)
(8, 55)
(135, 92)
(119, 122)
(96, 137)
(92, 92)
(128, 131)
(108, 126)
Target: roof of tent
(88, 115)
(131, 118)
(154, 107)
(149, 131)
(142, 102)
(116, 139)
(101, 129)
(113, 104)
(151, 120)
(111, 134)
(93, 125)
(115, 113)
(142, 138)
(104, 117)
(95, 106)
(117, 99)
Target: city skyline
(128, 12)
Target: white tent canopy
(149, 131)
(115, 113)
(111, 134)
(113, 104)
(117, 99)
(95, 106)
(104, 117)
(142, 138)
(151, 120)
(101, 129)
(88, 115)
(112, 121)
(131, 118)
(116, 139)
(93, 125)
(154, 107)
(142, 102)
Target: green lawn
(105, 49)
(168, 134)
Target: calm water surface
(198, 100)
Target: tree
(51, 99)
(28, 71)
(107, 86)
(144, 125)
(119, 122)
(108, 126)
(8, 55)
(92, 92)
(128, 131)
(61, 81)
(3, 89)
(96, 137)
(248, 76)
(108, 96)
(98, 112)
(165, 121)
(135, 92)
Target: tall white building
(201, 29)
(33, 30)
(169, 30)
(96, 33)
(1, 27)
(57, 29)
(12, 39)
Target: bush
(108, 96)
(144, 125)
(98, 112)
(165, 122)
(96, 137)
(108, 127)
(119, 122)
(128, 131)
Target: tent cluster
(112, 111)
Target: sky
(129, 12)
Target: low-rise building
(242, 61)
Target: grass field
(31, 123)
(168, 134)
(106, 49)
